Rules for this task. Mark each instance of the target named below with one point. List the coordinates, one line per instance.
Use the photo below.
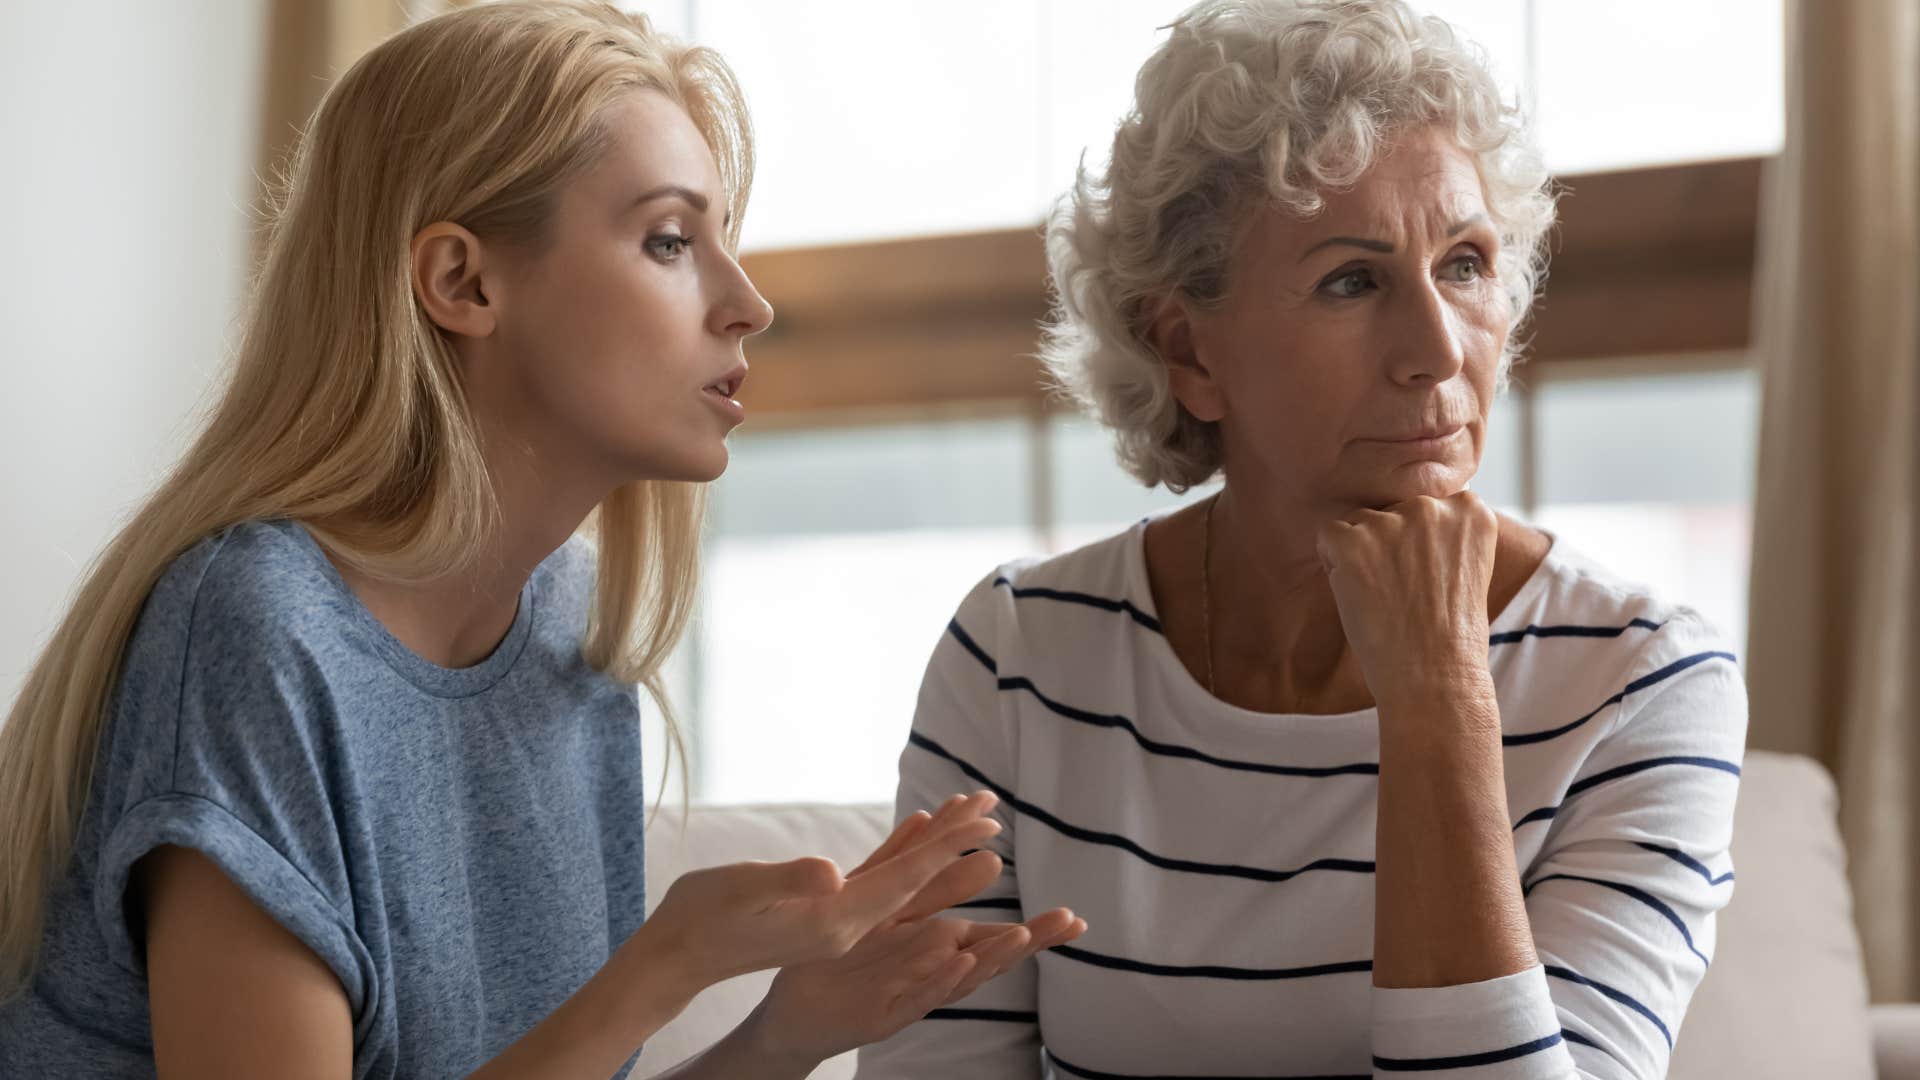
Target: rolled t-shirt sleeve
(221, 742)
(272, 881)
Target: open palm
(909, 964)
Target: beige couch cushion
(1787, 996)
(1786, 999)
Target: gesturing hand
(729, 920)
(907, 966)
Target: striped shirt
(1224, 859)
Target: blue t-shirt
(462, 847)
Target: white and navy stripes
(1224, 859)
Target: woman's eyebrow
(1385, 248)
(1466, 223)
(1349, 241)
(674, 191)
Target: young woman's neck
(458, 620)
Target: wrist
(659, 970)
(1430, 681)
(773, 1053)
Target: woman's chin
(709, 467)
(703, 466)
(1433, 479)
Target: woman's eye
(1348, 285)
(1467, 268)
(669, 246)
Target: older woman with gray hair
(1348, 774)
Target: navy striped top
(1224, 859)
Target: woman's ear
(1172, 335)
(447, 263)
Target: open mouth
(726, 388)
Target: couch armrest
(1896, 1041)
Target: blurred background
(898, 433)
(900, 444)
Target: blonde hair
(1285, 99)
(344, 408)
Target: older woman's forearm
(1448, 907)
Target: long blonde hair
(344, 408)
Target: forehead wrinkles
(1394, 213)
(1426, 184)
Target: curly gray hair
(1287, 97)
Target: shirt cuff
(1499, 1028)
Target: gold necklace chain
(1206, 587)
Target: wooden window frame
(1649, 263)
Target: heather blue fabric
(462, 847)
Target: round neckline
(1140, 590)
(428, 676)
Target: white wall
(127, 146)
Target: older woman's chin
(1429, 478)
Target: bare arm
(1448, 908)
(594, 1032)
(746, 1051)
(1448, 904)
(235, 994)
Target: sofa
(1786, 998)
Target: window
(1643, 82)
(1650, 472)
(835, 558)
(877, 118)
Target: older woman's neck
(1246, 607)
(1274, 610)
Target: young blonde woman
(333, 768)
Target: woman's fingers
(1055, 924)
(1056, 927)
(840, 912)
(887, 887)
(903, 834)
(921, 823)
(959, 882)
(934, 991)
(984, 951)
(1001, 948)
(1072, 929)
(996, 954)
(957, 807)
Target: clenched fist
(1411, 583)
